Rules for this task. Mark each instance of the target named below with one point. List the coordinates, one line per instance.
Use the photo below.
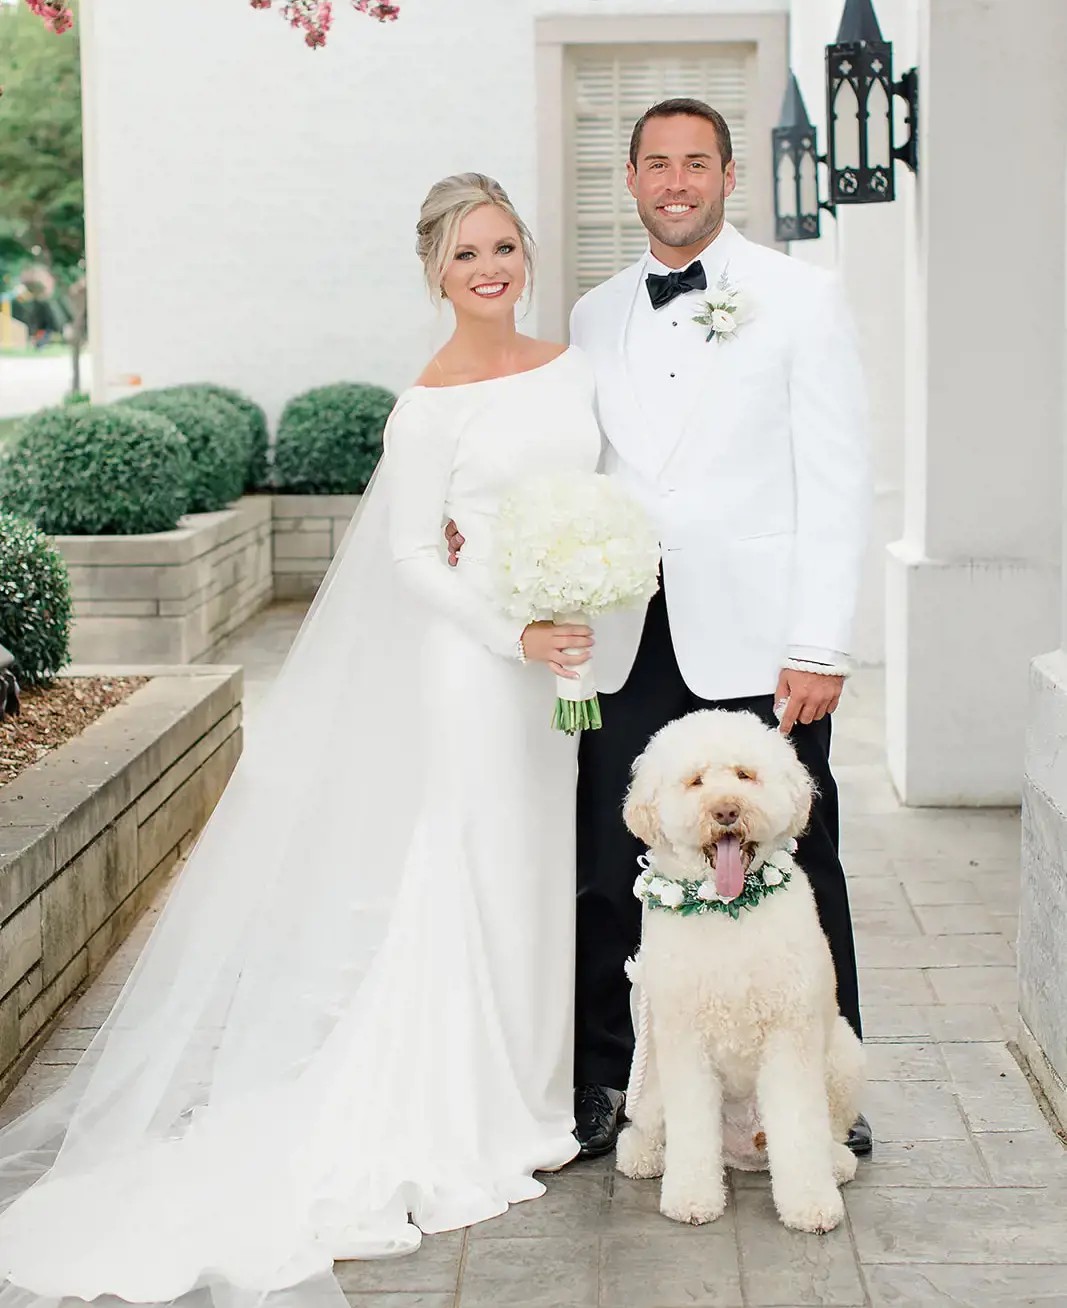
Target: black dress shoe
(597, 1111)
(859, 1138)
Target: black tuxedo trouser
(609, 916)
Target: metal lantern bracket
(828, 205)
(908, 90)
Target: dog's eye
(695, 781)
(744, 775)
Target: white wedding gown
(357, 1005)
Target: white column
(866, 245)
(87, 43)
(1043, 904)
(973, 584)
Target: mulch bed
(52, 715)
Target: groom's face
(679, 181)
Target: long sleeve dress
(439, 1080)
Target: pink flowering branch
(56, 15)
(315, 17)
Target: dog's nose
(726, 815)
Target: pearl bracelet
(821, 669)
(520, 650)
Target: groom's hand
(455, 542)
(808, 697)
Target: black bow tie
(662, 290)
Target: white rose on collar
(707, 891)
(672, 895)
(772, 875)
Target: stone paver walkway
(965, 1201)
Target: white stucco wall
(866, 245)
(252, 202)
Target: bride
(352, 1023)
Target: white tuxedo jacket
(761, 497)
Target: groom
(748, 450)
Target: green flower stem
(577, 715)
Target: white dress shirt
(666, 352)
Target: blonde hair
(450, 201)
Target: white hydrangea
(573, 543)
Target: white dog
(741, 1057)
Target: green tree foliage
(41, 199)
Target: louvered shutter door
(611, 88)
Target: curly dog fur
(746, 1061)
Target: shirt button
(672, 374)
(674, 324)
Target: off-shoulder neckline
(490, 381)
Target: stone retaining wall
(307, 532)
(1042, 943)
(88, 835)
(171, 596)
(174, 596)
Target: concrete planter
(88, 835)
(172, 596)
(307, 532)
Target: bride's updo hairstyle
(448, 203)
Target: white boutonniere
(724, 310)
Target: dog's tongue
(729, 874)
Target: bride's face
(488, 271)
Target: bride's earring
(525, 300)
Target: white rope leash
(639, 1066)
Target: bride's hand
(545, 642)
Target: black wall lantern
(796, 171)
(859, 110)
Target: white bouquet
(571, 546)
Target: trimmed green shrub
(35, 604)
(330, 439)
(218, 447)
(255, 420)
(96, 470)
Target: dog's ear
(801, 793)
(643, 821)
(641, 811)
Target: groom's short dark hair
(688, 108)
